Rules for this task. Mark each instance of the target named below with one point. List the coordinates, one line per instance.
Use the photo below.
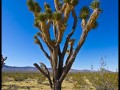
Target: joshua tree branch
(45, 74)
(56, 2)
(63, 7)
(71, 33)
(88, 27)
(82, 39)
(55, 30)
(49, 23)
(92, 19)
(43, 65)
(70, 53)
(55, 62)
(41, 47)
(40, 35)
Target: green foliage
(95, 25)
(36, 23)
(35, 37)
(57, 16)
(46, 6)
(60, 4)
(30, 4)
(48, 10)
(48, 16)
(37, 7)
(101, 81)
(66, 1)
(84, 13)
(20, 76)
(74, 2)
(38, 33)
(95, 4)
(48, 13)
(41, 79)
(41, 17)
(79, 81)
(33, 6)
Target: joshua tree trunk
(57, 86)
(58, 19)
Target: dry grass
(31, 84)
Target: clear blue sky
(18, 31)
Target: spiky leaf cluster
(84, 13)
(46, 5)
(71, 41)
(36, 23)
(60, 4)
(48, 11)
(35, 37)
(41, 17)
(37, 7)
(74, 2)
(38, 33)
(95, 4)
(95, 25)
(57, 16)
(66, 1)
(37, 41)
(33, 6)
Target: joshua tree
(2, 61)
(58, 19)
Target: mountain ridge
(7, 68)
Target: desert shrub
(41, 79)
(68, 78)
(104, 81)
(79, 81)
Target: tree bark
(57, 86)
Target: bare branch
(45, 74)
(71, 33)
(55, 30)
(44, 68)
(40, 35)
(70, 53)
(41, 47)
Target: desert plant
(79, 80)
(41, 79)
(3, 61)
(58, 19)
(104, 79)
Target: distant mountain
(34, 69)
